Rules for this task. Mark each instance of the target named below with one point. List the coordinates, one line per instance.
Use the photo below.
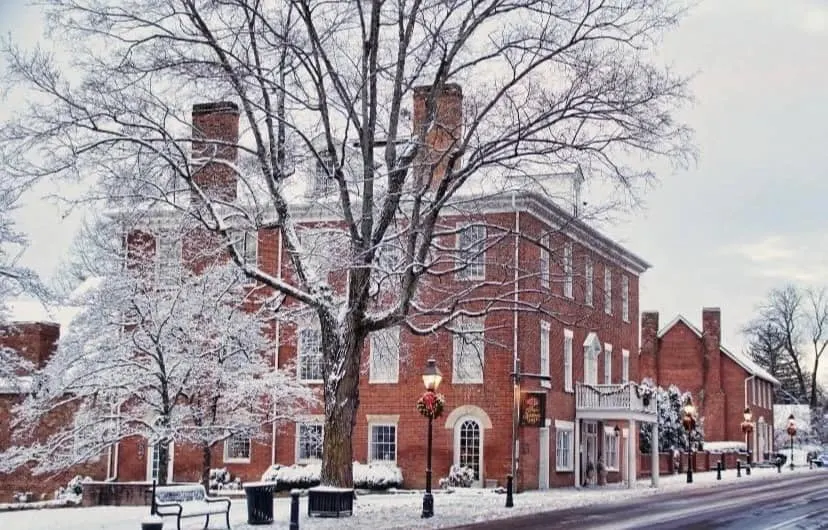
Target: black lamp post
(431, 380)
(791, 432)
(747, 429)
(689, 423)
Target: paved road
(795, 503)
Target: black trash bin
(259, 502)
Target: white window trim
(162, 238)
(625, 298)
(568, 290)
(464, 274)
(545, 260)
(569, 353)
(314, 420)
(589, 282)
(545, 364)
(569, 427)
(607, 290)
(474, 325)
(607, 363)
(372, 377)
(383, 423)
(609, 432)
(299, 356)
(170, 461)
(229, 460)
(625, 366)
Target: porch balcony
(613, 402)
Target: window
(383, 443)
(625, 366)
(544, 262)
(563, 445)
(385, 356)
(471, 252)
(247, 245)
(567, 290)
(468, 351)
(310, 354)
(588, 281)
(388, 267)
(607, 290)
(611, 448)
(309, 441)
(168, 260)
(544, 352)
(607, 364)
(568, 340)
(591, 364)
(324, 176)
(237, 449)
(625, 298)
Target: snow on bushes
(221, 479)
(303, 476)
(73, 492)
(458, 477)
(725, 447)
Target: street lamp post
(430, 406)
(791, 432)
(747, 429)
(689, 423)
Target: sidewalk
(393, 510)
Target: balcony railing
(620, 397)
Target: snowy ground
(381, 511)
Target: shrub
(458, 477)
(73, 490)
(221, 479)
(302, 476)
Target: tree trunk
(341, 401)
(163, 449)
(206, 463)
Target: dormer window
(324, 181)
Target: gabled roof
(748, 364)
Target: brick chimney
(446, 105)
(712, 343)
(218, 125)
(648, 360)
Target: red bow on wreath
(431, 404)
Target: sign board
(533, 409)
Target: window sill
(546, 384)
(455, 382)
(564, 470)
(236, 460)
(383, 382)
(569, 390)
(469, 278)
(311, 381)
(613, 469)
(383, 462)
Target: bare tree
(322, 88)
(789, 336)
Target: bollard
(723, 462)
(718, 471)
(778, 465)
(509, 500)
(739, 469)
(294, 509)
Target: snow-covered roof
(748, 364)
(33, 311)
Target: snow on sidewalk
(385, 511)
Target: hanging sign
(533, 409)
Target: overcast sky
(747, 217)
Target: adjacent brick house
(36, 342)
(723, 383)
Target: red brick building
(583, 343)
(35, 342)
(723, 383)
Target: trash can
(259, 502)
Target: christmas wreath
(431, 404)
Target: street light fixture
(747, 429)
(689, 423)
(791, 432)
(432, 408)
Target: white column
(654, 462)
(631, 456)
(576, 453)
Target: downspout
(515, 360)
(276, 353)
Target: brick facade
(722, 383)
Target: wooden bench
(188, 500)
